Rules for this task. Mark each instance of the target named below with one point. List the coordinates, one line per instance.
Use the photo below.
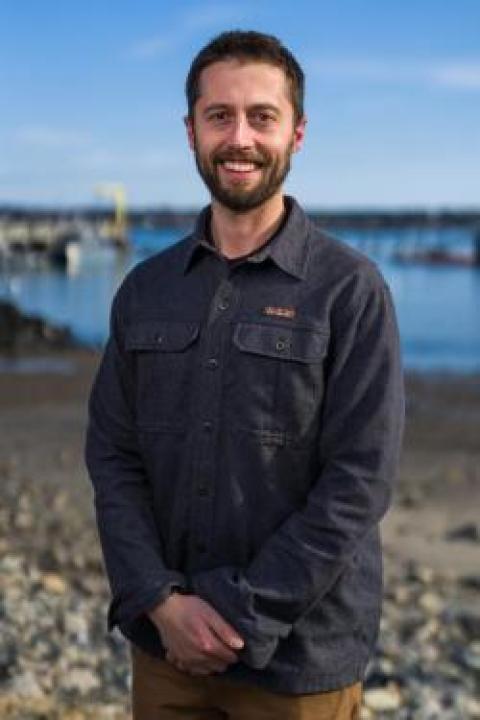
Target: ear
(299, 134)
(190, 131)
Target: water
(437, 307)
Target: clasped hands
(198, 640)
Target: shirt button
(207, 425)
(212, 363)
(158, 339)
(281, 344)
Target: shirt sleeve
(130, 542)
(362, 419)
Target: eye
(218, 116)
(262, 117)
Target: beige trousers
(161, 692)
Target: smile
(236, 166)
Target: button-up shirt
(244, 433)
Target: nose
(241, 134)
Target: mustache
(239, 156)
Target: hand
(197, 638)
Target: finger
(225, 631)
(214, 649)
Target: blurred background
(95, 175)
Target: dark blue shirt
(244, 436)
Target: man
(245, 428)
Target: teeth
(239, 166)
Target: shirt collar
(288, 249)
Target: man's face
(243, 132)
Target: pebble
(77, 628)
(385, 699)
(57, 661)
(471, 708)
(80, 681)
(469, 532)
(422, 573)
(469, 621)
(11, 564)
(54, 583)
(471, 656)
(27, 685)
(431, 603)
(470, 581)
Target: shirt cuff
(126, 608)
(221, 588)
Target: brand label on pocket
(285, 312)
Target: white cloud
(213, 15)
(453, 74)
(359, 69)
(43, 136)
(207, 17)
(151, 47)
(98, 159)
(462, 76)
(121, 161)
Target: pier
(55, 236)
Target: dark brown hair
(247, 45)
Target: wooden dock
(52, 237)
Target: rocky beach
(57, 660)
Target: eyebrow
(266, 106)
(256, 106)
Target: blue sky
(93, 92)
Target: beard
(239, 197)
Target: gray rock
(26, 685)
(471, 656)
(80, 681)
(469, 621)
(8, 653)
(469, 532)
(471, 582)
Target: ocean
(438, 306)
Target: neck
(239, 233)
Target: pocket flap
(301, 344)
(160, 335)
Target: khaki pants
(161, 692)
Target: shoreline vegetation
(57, 660)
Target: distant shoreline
(348, 218)
(22, 333)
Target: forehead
(233, 82)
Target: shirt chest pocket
(164, 354)
(277, 377)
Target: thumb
(225, 631)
